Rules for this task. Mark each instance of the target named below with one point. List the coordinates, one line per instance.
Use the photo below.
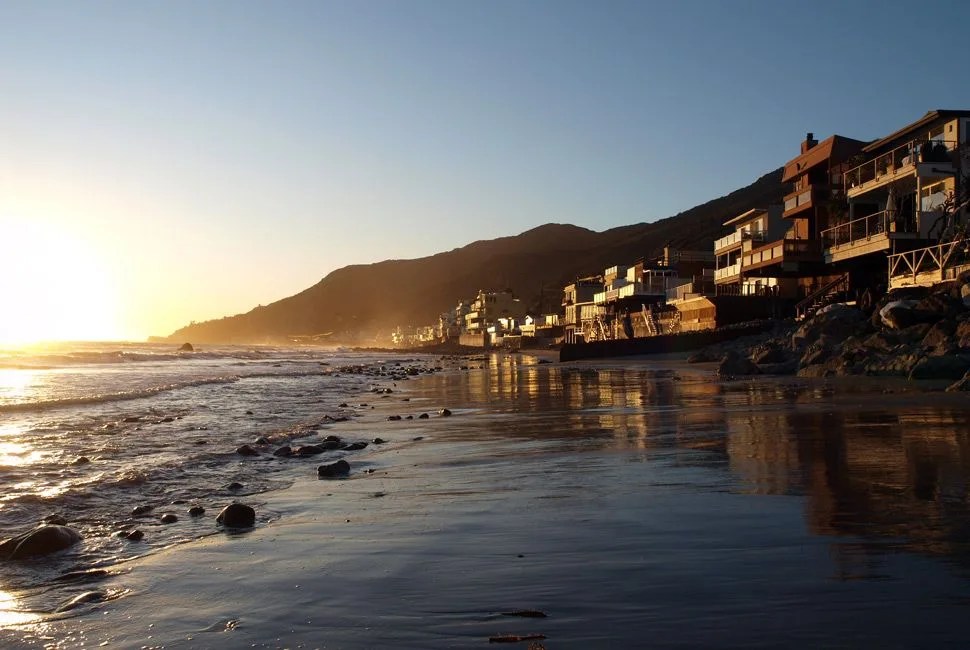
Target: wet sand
(636, 503)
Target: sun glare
(53, 286)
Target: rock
(950, 366)
(882, 341)
(332, 438)
(283, 452)
(940, 336)
(237, 515)
(900, 314)
(789, 367)
(769, 353)
(134, 535)
(196, 511)
(733, 364)
(965, 295)
(342, 405)
(330, 445)
(81, 460)
(393, 418)
(186, 347)
(914, 333)
(355, 446)
(262, 440)
(249, 412)
(168, 518)
(308, 450)
(938, 306)
(837, 322)
(86, 597)
(444, 412)
(379, 441)
(702, 356)
(962, 334)
(57, 520)
(43, 540)
(334, 470)
(423, 416)
(961, 384)
(234, 486)
(246, 450)
(138, 511)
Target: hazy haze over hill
(375, 298)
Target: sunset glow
(54, 287)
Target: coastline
(570, 490)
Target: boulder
(769, 353)
(43, 540)
(444, 412)
(283, 452)
(962, 385)
(168, 518)
(950, 366)
(334, 470)
(702, 356)
(138, 511)
(196, 511)
(186, 347)
(246, 450)
(733, 364)
(237, 515)
(837, 322)
(308, 450)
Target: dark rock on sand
(196, 511)
(186, 347)
(393, 418)
(168, 518)
(379, 441)
(733, 364)
(308, 450)
(57, 520)
(423, 416)
(134, 535)
(81, 460)
(962, 385)
(332, 439)
(262, 440)
(284, 452)
(444, 412)
(355, 446)
(138, 511)
(234, 486)
(39, 541)
(237, 515)
(334, 470)
(246, 450)
(951, 366)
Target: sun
(53, 286)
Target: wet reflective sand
(638, 505)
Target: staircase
(827, 295)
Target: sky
(168, 162)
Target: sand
(636, 503)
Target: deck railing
(919, 150)
(930, 263)
(856, 230)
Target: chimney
(810, 142)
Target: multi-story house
(900, 190)
(489, 306)
(751, 230)
(578, 305)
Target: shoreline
(450, 531)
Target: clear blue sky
(217, 155)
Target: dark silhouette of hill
(375, 298)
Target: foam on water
(88, 434)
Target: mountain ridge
(362, 300)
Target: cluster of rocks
(917, 333)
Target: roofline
(750, 214)
(921, 122)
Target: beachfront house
(579, 307)
(902, 196)
(750, 232)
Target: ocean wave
(44, 405)
(51, 360)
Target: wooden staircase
(827, 295)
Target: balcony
(926, 158)
(803, 199)
(736, 239)
(728, 273)
(784, 252)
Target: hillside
(374, 298)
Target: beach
(636, 503)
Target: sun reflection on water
(9, 612)
(14, 383)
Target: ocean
(91, 431)
(619, 503)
